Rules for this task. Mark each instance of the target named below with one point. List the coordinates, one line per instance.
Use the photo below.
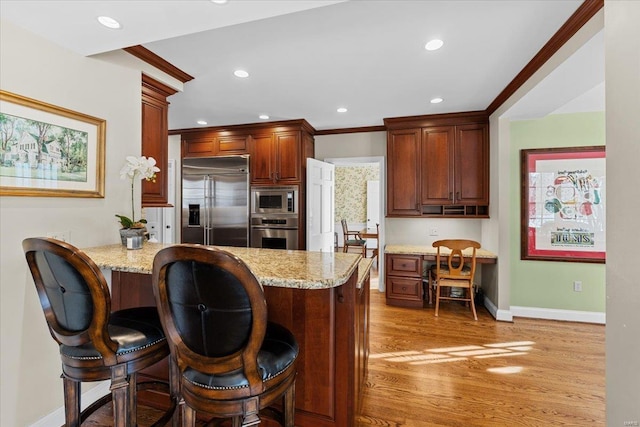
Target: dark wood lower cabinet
(331, 327)
(403, 276)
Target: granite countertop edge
(297, 270)
(428, 250)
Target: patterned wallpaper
(351, 191)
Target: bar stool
(95, 344)
(232, 362)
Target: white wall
(622, 81)
(31, 386)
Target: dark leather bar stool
(95, 344)
(232, 362)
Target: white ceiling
(307, 58)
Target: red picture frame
(563, 199)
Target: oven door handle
(267, 227)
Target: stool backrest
(212, 309)
(73, 293)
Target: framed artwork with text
(563, 199)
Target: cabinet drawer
(404, 288)
(404, 265)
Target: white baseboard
(544, 313)
(501, 315)
(556, 314)
(56, 418)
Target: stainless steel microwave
(274, 200)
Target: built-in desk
(404, 271)
(321, 297)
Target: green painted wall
(544, 284)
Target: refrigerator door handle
(207, 209)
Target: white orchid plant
(137, 168)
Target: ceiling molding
(351, 130)
(156, 61)
(580, 17)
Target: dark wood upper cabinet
(278, 150)
(262, 167)
(155, 132)
(438, 165)
(471, 164)
(403, 173)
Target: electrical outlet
(433, 231)
(577, 286)
(60, 235)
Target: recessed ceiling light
(241, 73)
(219, 1)
(434, 44)
(436, 100)
(109, 22)
(341, 110)
(201, 122)
(263, 116)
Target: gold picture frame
(49, 151)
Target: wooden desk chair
(352, 239)
(376, 250)
(95, 344)
(232, 363)
(451, 271)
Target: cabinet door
(234, 144)
(261, 161)
(154, 140)
(436, 156)
(403, 172)
(287, 157)
(471, 172)
(201, 145)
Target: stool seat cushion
(133, 329)
(279, 350)
(355, 242)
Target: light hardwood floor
(452, 371)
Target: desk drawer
(404, 265)
(404, 288)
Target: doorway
(352, 174)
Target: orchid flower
(137, 167)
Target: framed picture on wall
(563, 199)
(49, 151)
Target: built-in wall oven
(274, 217)
(274, 231)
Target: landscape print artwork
(49, 151)
(33, 149)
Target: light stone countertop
(430, 250)
(272, 267)
(363, 268)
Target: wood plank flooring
(452, 371)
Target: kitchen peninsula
(321, 297)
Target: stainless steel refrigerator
(215, 201)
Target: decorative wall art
(563, 201)
(49, 151)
